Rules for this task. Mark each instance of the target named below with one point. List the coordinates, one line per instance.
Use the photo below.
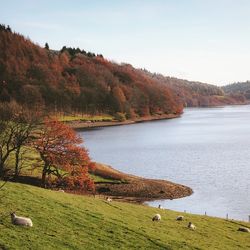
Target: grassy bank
(88, 121)
(85, 118)
(66, 221)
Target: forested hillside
(73, 80)
(240, 88)
(197, 94)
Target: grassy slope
(65, 221)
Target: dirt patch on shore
(136, 189)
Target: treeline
(197, 94)
(74, 51)
(239, 88)
(73, 80)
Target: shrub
(121, 117)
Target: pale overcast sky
(202, 40)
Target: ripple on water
(207, 149)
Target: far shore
(86, 125)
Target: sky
(199, 40)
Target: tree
(24, 135)
(31, 97)
(46, 46)
(58, 146)
(119, 99)
(16, 126)
(7, 132)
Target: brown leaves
(59, 147)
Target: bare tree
(16, 127)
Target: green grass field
(98, 179)
(66, 221)
(84, 118)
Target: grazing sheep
(157, 217)
(191, 226)
(180, 217)
(60, 190)
(108, 199)
(244, 229)
(22, 221)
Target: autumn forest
(73, 80)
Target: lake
(207, 149)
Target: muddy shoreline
(130, 188)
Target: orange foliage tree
(62, 156)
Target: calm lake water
(207, 149)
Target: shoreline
(81, 125)
(120, 186)
(78, 125)
(130, 188)
(135, 189)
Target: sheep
(191, 226)
(157, 217)
(180, 217)
(244, 229)
(108, 199)
(160, 207)
(60, 190)
(22, 221)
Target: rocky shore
(126, 187)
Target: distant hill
(73, 80)
(239, 88)
(197, 94)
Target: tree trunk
(1, 169)
(2, 165)
(44, 174)
(44, 177)
(17, 153)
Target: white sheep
(157, 217)
(22, 221)
(244, 229)
(108, 199)
(191, 226)
(60, 190)
(180, 217)
(160, 207)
